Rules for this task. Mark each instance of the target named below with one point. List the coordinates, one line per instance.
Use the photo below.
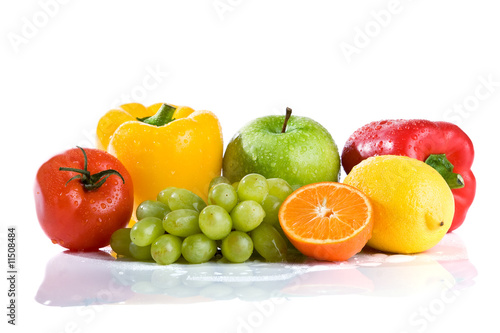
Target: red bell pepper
(442, 145)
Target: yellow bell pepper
(163, 145)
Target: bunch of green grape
(240, 219)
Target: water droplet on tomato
(99, 220)
(75, 203)
(92, 201)
(414, 137)
(53, 241)
(103, 205)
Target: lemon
(413, 206)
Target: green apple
(297, 149)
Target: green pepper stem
(445, 168)
(90, 182)
(163, 116)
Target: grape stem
(287, 116)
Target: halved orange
(327, 221)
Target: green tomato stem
(445, 168)
(163, 116)
(90, 182)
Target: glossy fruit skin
(417, 138)
(184, 153)
(76, 218)
(412, 203)
(306, 153)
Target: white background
(65, 63)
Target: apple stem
(287, 116)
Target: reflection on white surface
(74, 279)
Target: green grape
(198, 248)
(182, 222)
(142, 253)
(218, 180)
(184, 199)
(279, 188)
(215, 222)
(271, 205)
(269, 243)
(145, 231)
(247, 215)
(166, 249)
(151, 208)
(165, 194)
(223, 195)
(253, 187)
(120, 241)
(235, 185)
(237, 247)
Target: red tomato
(80, 205)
